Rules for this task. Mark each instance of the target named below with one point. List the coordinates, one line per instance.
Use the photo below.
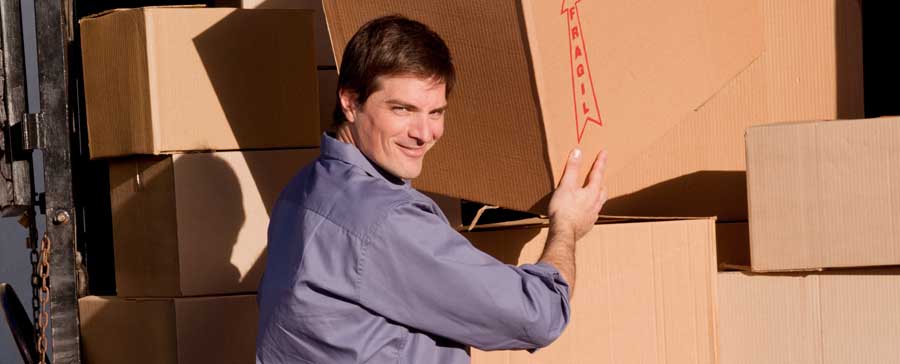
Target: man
(362, 268)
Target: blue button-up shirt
(362, 268)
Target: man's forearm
(559, 251)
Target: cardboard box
(195, 224)
(645, 293)
(170, 79)
(811, 70)
(520, 105)
(324, 55)
(824, 194)
(168, 330)
(850, 317)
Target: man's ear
(348, 104)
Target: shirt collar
(349, 153)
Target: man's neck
(343, 134)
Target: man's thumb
(573, 166)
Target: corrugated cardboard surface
(168, 331)
(324, 55)
(507, 118)
(195, 224)
(645, 293)
(811, 70)
(848, 317)
(160, 80)
(824, 194)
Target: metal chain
(35, 288)
(35, 257)
(44, 315)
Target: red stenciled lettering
(584, 103)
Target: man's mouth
(413, 152)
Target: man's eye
(437, 113)
(400, 109)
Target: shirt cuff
(550, 276)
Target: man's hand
(573, 211)
(574, 208)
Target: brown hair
(386, 46)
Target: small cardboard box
(824, 194)
(196, 224)
(169, 79)
(168, 330)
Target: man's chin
(410, 172)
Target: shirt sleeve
(416, 270)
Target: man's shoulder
(347, 196)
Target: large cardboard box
(811, 69)
(645, 293)
(824, 194)
(195, 224)
(324, 55)
(169, 79)
(168, 330)
(846, 317)
(536, 78)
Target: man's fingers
(595, 176)
(570, 173)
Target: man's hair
(390, 46)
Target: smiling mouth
(417, 152)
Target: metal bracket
(31, 137)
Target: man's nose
(420, 129)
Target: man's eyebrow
(412, 107)
(440, 109)
(407, 105)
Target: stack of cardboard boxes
(824, 218)
(668, 88)
(204, 116)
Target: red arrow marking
(583, 96)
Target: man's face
(399, 123)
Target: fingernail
(576, 153)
